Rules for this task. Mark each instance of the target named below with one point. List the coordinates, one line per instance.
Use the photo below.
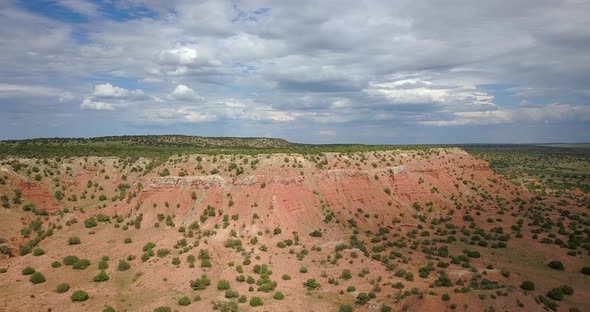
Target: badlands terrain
(176, 223)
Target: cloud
(184, 93)
(552, 113)
(179, 56)
(89, 104)
(107, 90)
(80, 6)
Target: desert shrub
(28, 271)
(555, 294)
(176, 261)
(163, 252)
(200, 283)
(62, 288)
(286, 277)
(446, 297)
(162, 309)
(585, 270)
(362, 298)
(55, 264)
(346, 274)
(37, 278)
(127, 240)
(567, 290)
(103, 265)
(90, 222)
(74, 240)
(279, 296)
(81, 264)
(311, 284)
(345, 307)
(3, 270)
(70, 260)
(38, 252)
(556, 265)
(256, 301)
(527, 285)
(184, 301)
(108, 309)
(223, 284)
(351, 289)
(316, 233)
(123, 265)
(101, 277)
(79, 295)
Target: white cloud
(107, 90)
(555, 112)
(80, 6)
(179, 56)
(184, 93)
(89, 104)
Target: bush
(568, 290)
(28, 271)
(446, 297)
(286, 277)
(162, 309)
(70, 260)
(311, 284)
(55, 264)
(585, 270)
(79, 295)
(90, 222)
(74, 240)
(184, 301)
(108, 309)
(123, 265)
(362, 298)
(316, 233)
(223, 284)
(127, 240)
(351, 289)
(279, 296)
(38, 252)
(81, 264)
(556, 265)
(345, 307)
(256, 301)
(527, 285)
(103, 265)
(101, 277)
(555, 294)
(37, 278)
(62, 288)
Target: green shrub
(555, 294)
(79, 295)
(90, 222)
(70, 260)
(74, 240)
(316, 233)
(223, 284)
(286, 277)
(311, 284)
(38, 252)
(256, 301)
(123, 265)
(346, 275)
(176, 261)
(200, 283)
(101, 277)
(527, 285)
(108, 309)
(446, 297)
(585, 270)
(103, 265)
(184, 301)
(351, 289)
(127, 240)
(556, 265)
(37, 278)
(162, 309)
(362, 298)
(28, 271)
(55, 264)
(568, 290)
(279, 296)
(62, 288)
(345, 307)
(81, 264)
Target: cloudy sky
(316, 72)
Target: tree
(527, 285)
(556, 265)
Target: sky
(374, 72)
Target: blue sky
(372, 72)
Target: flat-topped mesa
(337, 173)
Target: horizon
(336, 72)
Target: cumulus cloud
(184, 93)
(179, 56)
(107, 90)
(89, 104)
